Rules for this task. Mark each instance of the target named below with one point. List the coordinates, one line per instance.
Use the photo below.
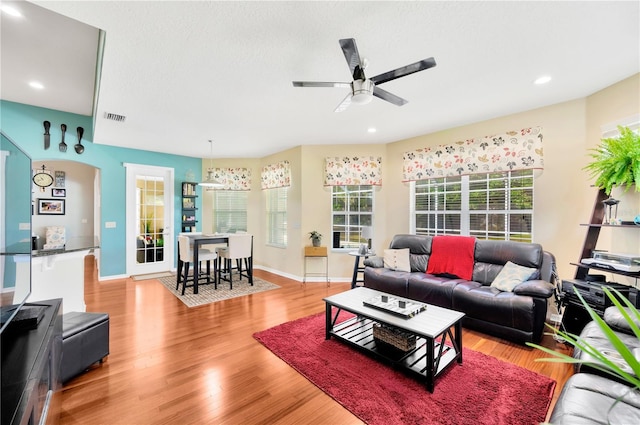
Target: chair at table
(240, 249)
(185, 250)
(180, 262)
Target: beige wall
(563, 193)
(563, 129)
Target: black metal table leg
(328, 326)
(459, 340)
(430, 372)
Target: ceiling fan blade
(351, 54)
(344, 104)
(319, 84)
(389, 97)
(405, 70)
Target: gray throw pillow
(512, 275)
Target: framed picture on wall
(51, 206)
(58, 193)
(60, 178)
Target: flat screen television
(15, 233)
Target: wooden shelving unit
(189, 208)
(575, 316)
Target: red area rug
(483, 390)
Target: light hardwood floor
(170, 364)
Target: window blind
(496, 206)
(276, 216)
(230, 211)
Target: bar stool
(239, 248)
(185, 249)
(180, 263)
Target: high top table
(199, 240)
(432, 327)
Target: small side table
(357, 268)
(316, 252)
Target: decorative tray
(397, 306)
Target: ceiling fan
(362, 88)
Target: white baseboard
(300, 278)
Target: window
(352, 209)
(497, 206)
(230, 210)
(277, 216)
(438, 206)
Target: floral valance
(233, 178)
(276, 175)
(513, 150)
(355, 170)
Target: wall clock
(43, 178)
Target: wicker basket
(399, 339)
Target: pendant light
(210, 181)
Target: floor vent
(114, 117)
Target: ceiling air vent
(114, 117)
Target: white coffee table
(437, 346)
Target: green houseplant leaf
(616, 161)
(314, 234)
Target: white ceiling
(185, 72)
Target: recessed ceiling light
(542, 80)
(36, 85)
(371, 130)
(12, 11)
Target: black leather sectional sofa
(517, 315)
(595, 397)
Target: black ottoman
(85, 341)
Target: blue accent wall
(23, 124)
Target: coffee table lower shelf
(358, 332)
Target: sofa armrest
(616, 320)
(375, 262)
(534, 288)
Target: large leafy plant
(616, 161)
(629, 374)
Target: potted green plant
(616, 161)
(315, 237)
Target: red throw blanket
(452, 255)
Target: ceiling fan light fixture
(362, 92)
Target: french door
(150, 237)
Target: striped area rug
(206, 293)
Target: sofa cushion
(385, 280)
(593, 335)
(617, 321)
(512, 275)
(419, 248)
(452, 255)
(397, 259)
(431, 289)
(494, 306)
(587, 399)
(491, 256)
